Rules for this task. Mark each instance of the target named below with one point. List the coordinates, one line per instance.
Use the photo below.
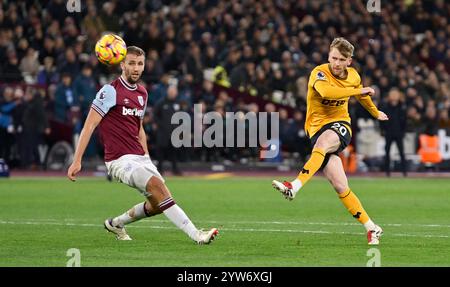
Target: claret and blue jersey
(122, 107)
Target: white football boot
(373, 236)
(205, 237)
(121, 233)
(285, 188)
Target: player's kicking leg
(334, 172)
(328, 141)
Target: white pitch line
(325, 223)
(270, 222)
(224, 229)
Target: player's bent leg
(135, 172)
(327, 142)
(161, 197)
(137, 212)
(117, 224)
(334, 172)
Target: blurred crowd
(263, 48)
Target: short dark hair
(66, 75)
(135, 51)
(87, 66)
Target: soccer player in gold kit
(328, 126)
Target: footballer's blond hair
(343, 46)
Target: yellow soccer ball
(110, 49)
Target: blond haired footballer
(328, 126)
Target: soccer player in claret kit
(118, 110)
(328, 126)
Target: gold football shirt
(328, 95)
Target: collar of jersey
(126, 85)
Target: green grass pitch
(41, 218)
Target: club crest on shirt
(141, 100)
(321, 76)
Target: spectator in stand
(22, 47)
(153, 68)
(285, 130)
(193, 64)
(10, 71)
(29, 65)
(210, 57)
(92, 21)
(69, 64)
(301, 141)
(170, 58)
(226, 100)
(7, 106)
(394, 131)
(444, 120)
(35, 126)
(262, 85)
(163, 113)
(17, 119)
(85, 89)
(243, 77)
(109, 17)
(48, 49)
(413, 120)
(159, 91)
(48, 75)
(65, 100)
(186, 90)
(207, 95)
(430, 119)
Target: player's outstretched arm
(92, 120)
(366, 101)
(326, 90)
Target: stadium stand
(221, 57)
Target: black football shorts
(342, 129)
